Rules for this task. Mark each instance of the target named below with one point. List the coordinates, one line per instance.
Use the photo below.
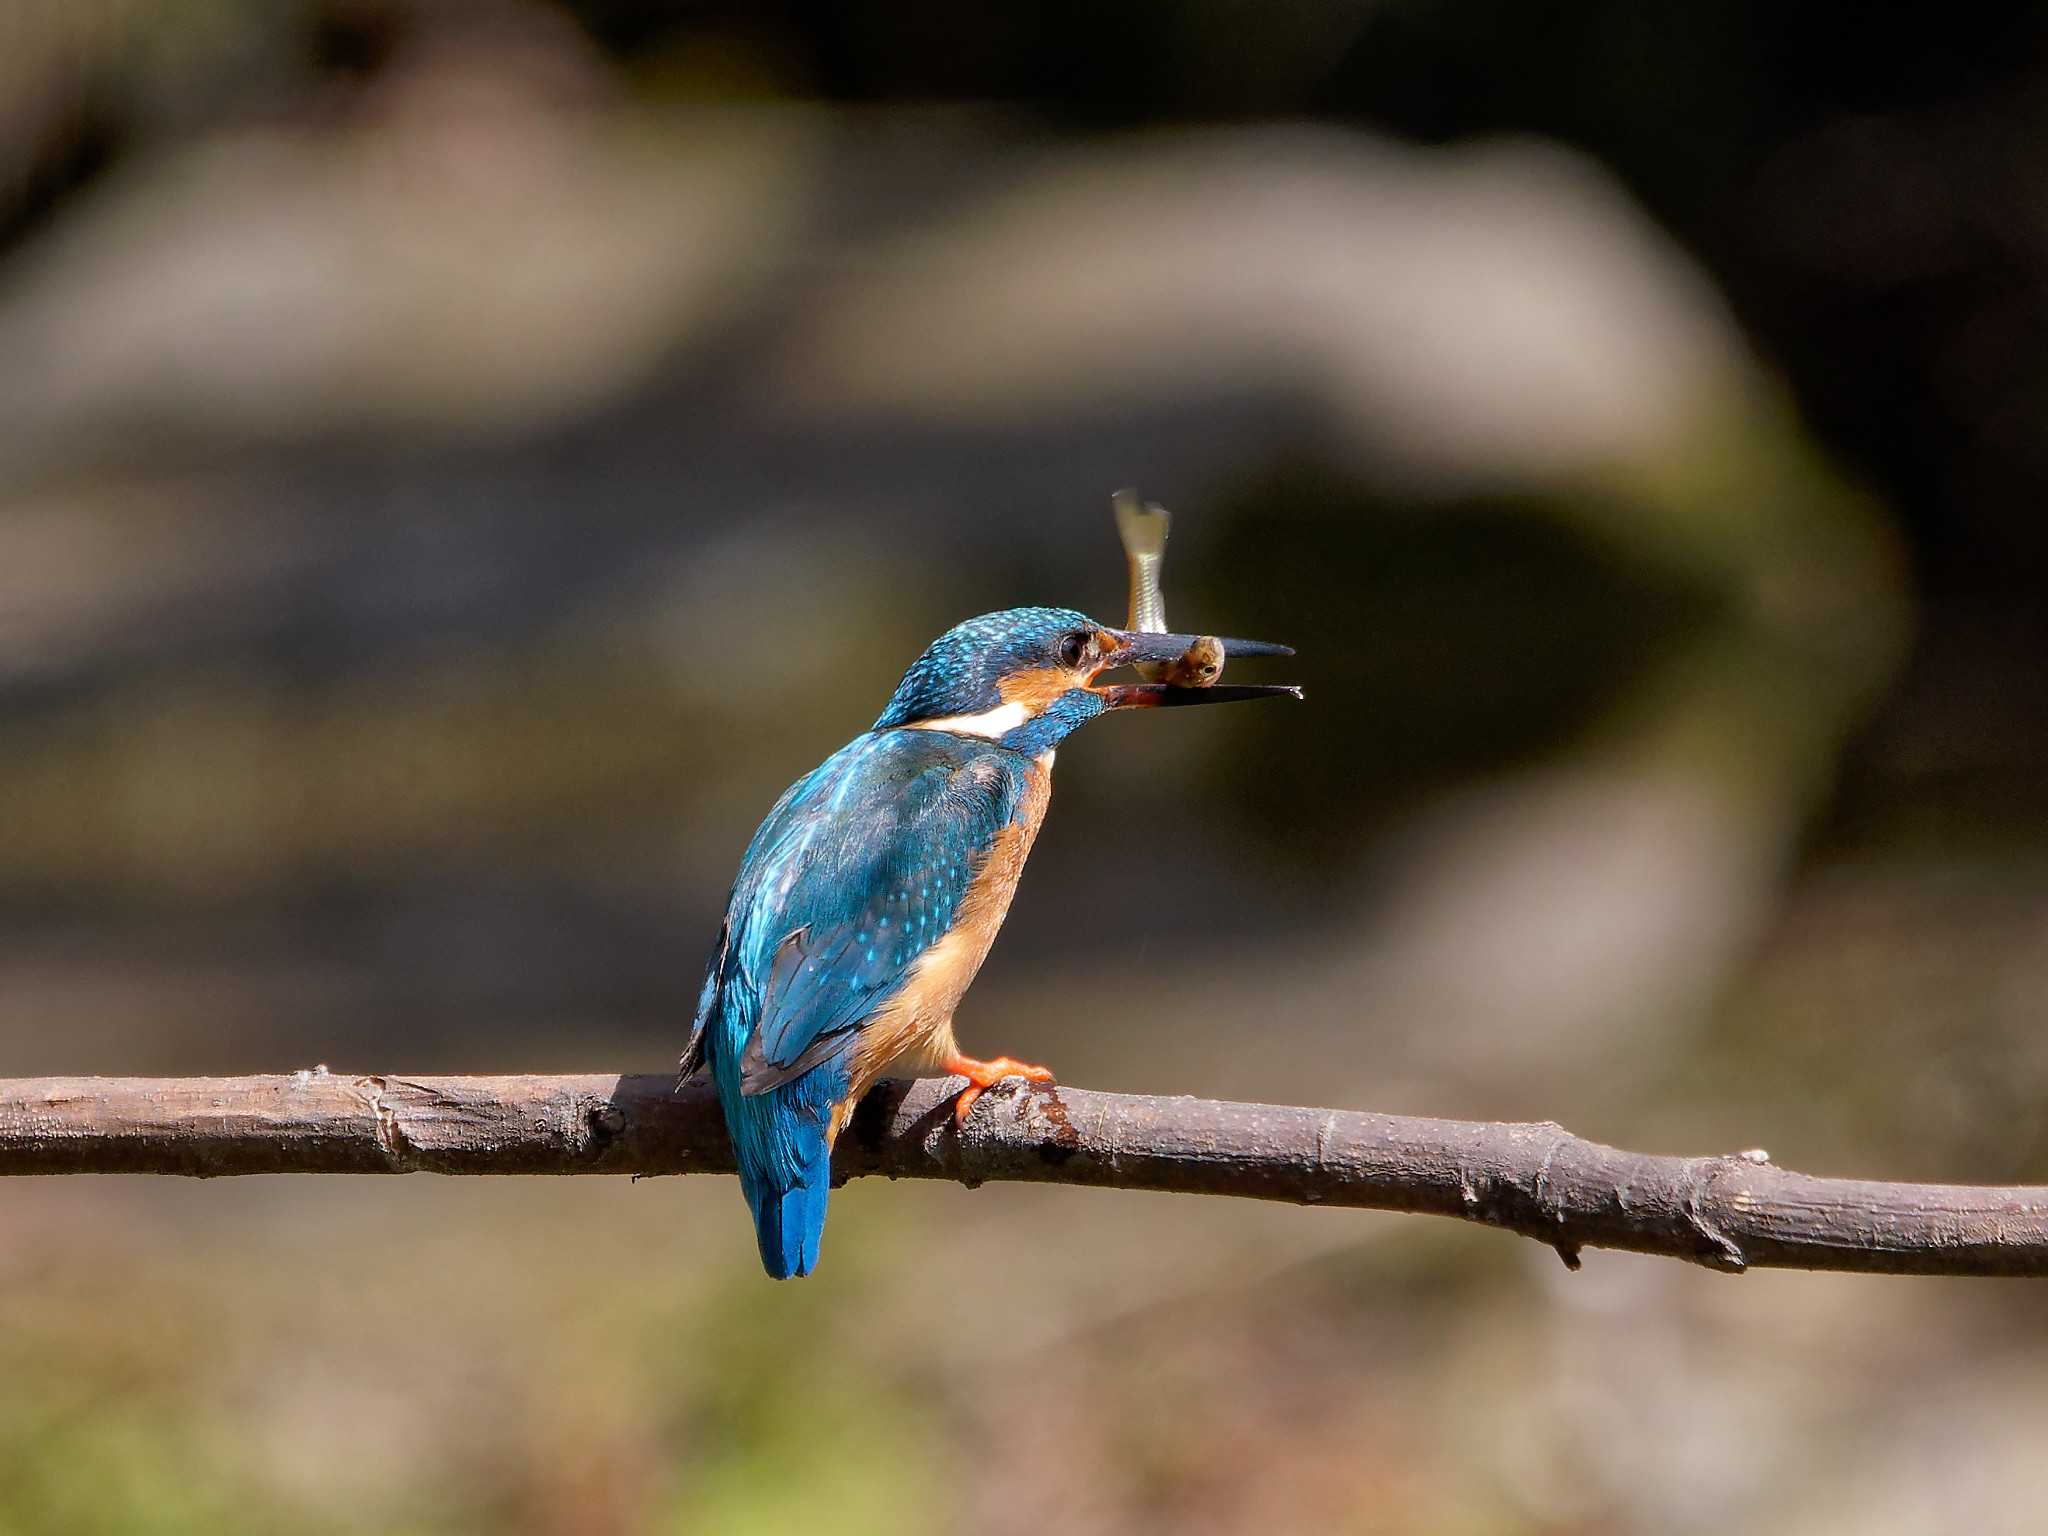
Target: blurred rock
(1478, 315)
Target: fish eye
(1072, 648)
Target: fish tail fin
(1141, 525)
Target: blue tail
(791, 1222)
(782, 1149)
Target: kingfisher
(870, 895)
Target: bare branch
(1728, 1213)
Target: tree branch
(1728, 1213)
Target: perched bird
(868, 899)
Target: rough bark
(1728, 1213)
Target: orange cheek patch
(1037, 689)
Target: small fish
(1143, 527)
(1198, 666)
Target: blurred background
(459, 461)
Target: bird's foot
(982, 1075)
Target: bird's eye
(1072, 649)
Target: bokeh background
(458, 461)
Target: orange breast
(918, 1020)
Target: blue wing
(857, 871)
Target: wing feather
(857, 872)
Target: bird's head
(1026, 677)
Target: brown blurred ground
(458, 462)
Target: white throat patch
(991, 723)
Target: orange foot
(983, 1075)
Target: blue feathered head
(976, 668)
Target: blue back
(859, 868)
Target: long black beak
(1138, 646)
(1166, 696)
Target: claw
(983, 1075)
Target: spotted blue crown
(959, 671)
